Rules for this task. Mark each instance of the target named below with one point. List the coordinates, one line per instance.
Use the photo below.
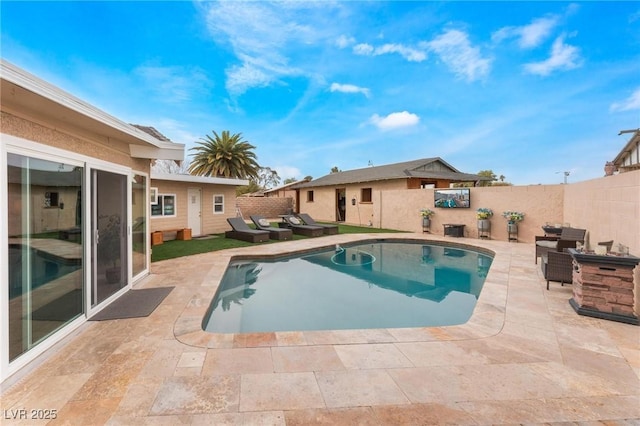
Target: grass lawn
(176, 248)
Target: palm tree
(224, 156)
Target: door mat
(133, 304)
(62, 309)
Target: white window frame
(175, 206)
(218, 204)
(153, 195)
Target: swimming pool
(372, 284)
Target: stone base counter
(603, 286)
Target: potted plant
(109, 242)
(483, 215)
(512, 225)
(513, 217)
(426, 219)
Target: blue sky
(527, 89)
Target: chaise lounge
(327, 229)
(301, 229)
(242, 231)
(274, 233)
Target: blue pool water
(374, 284)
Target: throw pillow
(264, 222)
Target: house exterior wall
(212, 223)
(52, 135)
(324, 204)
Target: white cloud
(363, 49)
(345, 41)
(563, 57)
(629, 104)
(349, 88)
(409, 53)
(287, 172)
(173, 84)
(528, 36)
(459, 55)
(395, 120)
(263, 34)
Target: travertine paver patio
(524, 357)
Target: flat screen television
(458, 198)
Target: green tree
(490, 175)
(224, 156)
(335, 169)
(289, 180)
(249, 189)
(267, 178)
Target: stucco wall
(608, 207)
(539, 203)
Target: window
(365, 196)
(166, 205)
(153, 194)
(218, 204)
(51, 199)
(310, 196)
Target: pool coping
(486, 320)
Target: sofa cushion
(548, 244)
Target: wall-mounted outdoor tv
(458, 198)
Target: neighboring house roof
(198, 179)
(427, 168)
(629, 157)
(23, 92)
(285, 186)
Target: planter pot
(426, 222)
(512, 228)
(484, 225)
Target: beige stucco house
(75, 189)
(197, 203)
(349, 196)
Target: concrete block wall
(270, 207)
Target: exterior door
(110, 240)
(194, 211)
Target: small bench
(157, 237)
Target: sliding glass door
(46, 255)
(109, 234)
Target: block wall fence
(269, 207)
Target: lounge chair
(308, 220)
(301, 229)
(242, 231)
(567, 239)
(274, 233)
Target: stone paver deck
(524, 357)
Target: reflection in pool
(375, 284)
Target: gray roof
(153, 132)
(427, 168)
